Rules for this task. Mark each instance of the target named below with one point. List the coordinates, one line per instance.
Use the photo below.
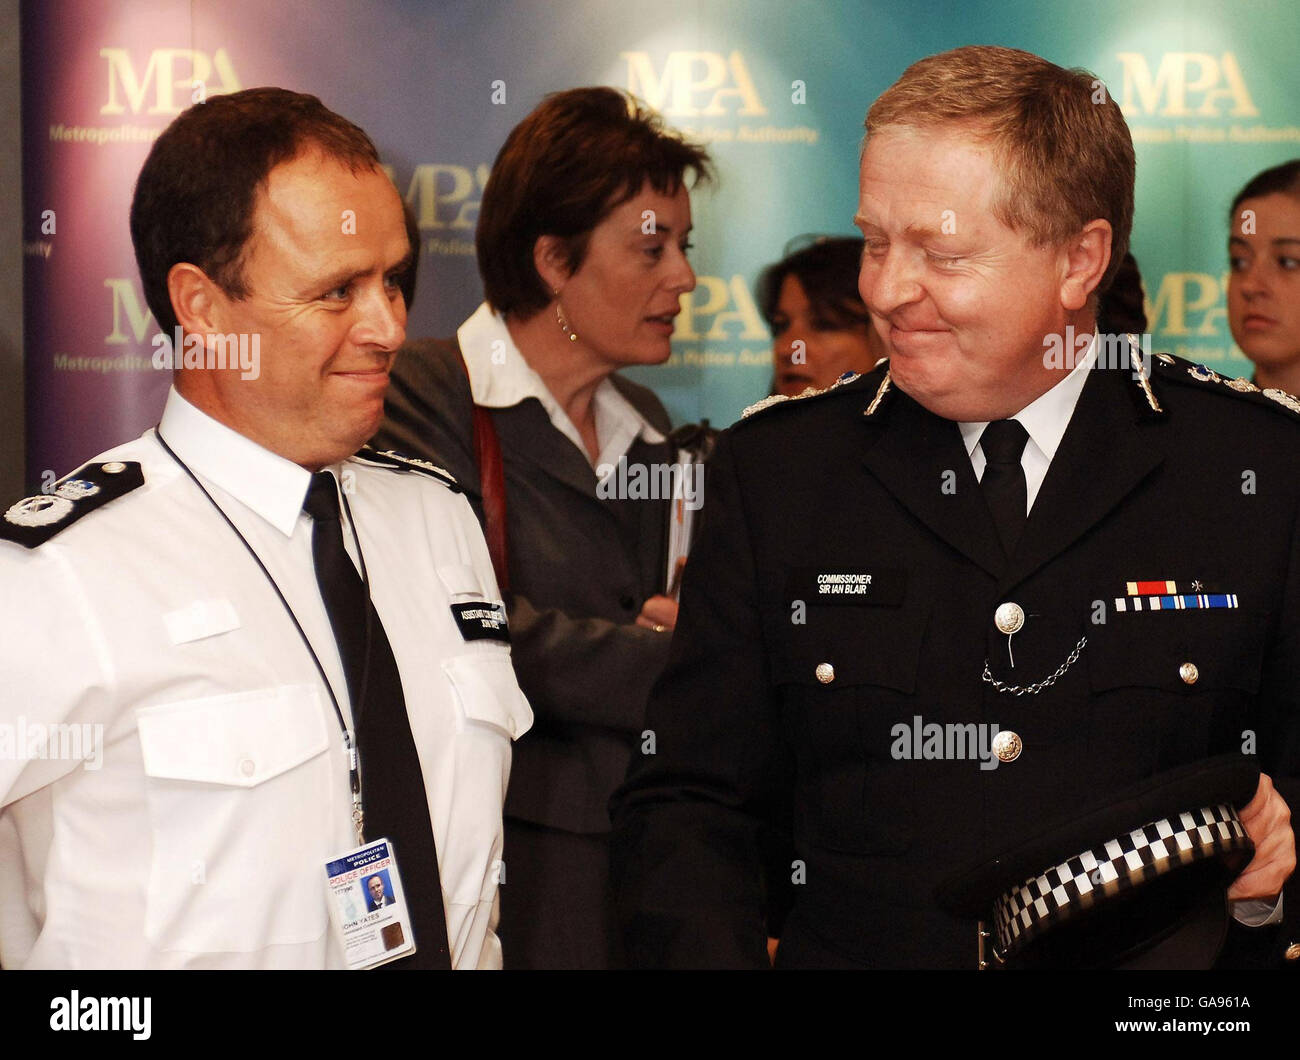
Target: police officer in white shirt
(180, 703)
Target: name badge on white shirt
(367, 905)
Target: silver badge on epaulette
(1283, 398)
(75, 489)
(38, 511)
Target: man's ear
(551, 260)
(1086, 256)
(196, 300)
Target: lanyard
(349, 740)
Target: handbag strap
(492, 486)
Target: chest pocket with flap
(845, 674)
(244, 811)
(1172, 686)
(488, 694)
(1153, 649)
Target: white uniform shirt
(198, 839)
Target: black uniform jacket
(781, 701)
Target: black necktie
(392, 782)
(1004, 478)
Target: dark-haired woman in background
(582, 245)
(820, 326)
(1264, 276)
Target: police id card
(367, 905)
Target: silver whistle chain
(1037, 686)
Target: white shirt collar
(1044, 419)
(500, 377)
(268, 484)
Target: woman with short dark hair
(582, 245)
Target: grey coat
(580, 568)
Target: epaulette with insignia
(811, 392)
(1191, 373)
(396, 461)
(34, 520)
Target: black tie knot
(322, 502)
(1003, 441)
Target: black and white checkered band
(1118, 865)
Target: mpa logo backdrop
(779, 91)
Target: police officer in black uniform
(1016, 568)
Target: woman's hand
(658, 613)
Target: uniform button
(247, 767)
(1009, 617)
(1189, 673)
(114, 467)
(825, 673)
(627, 603)
(1007, 746)
(1293, 952)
